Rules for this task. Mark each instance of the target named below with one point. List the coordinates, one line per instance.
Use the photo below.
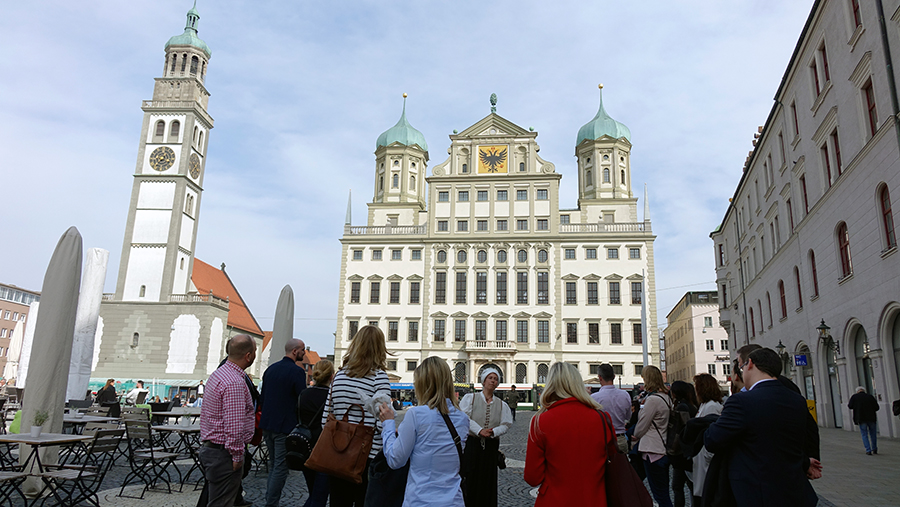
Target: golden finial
(600, 86)
(404, 95)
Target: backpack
(300, 443)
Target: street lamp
(826, 338)
(785, 358)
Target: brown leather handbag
(623, 486)
(343, 447)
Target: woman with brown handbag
(362, 374)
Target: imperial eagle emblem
(492, 158)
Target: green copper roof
(402, 133)
(189, 37)
(602, 125)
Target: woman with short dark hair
(710, 397)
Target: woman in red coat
(567, 443)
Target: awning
(151, 381)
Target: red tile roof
(209, 279)
(267, 337)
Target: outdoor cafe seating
(149, 462)
(71, 484)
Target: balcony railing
(198, 298)
(490, 345)
(351, 230)
(108, 296)
(602, 227)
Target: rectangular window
(637, 332)
(522, 331)
(803, 193)
(392, 365)
(411, 365)
(857, 17)
(443, 196)
(413, 328)
(481, 330)
(502, 195)
(522, 288)
(836, 144)
(460, 287)
(416, 255)
(414, 293)
(571, 332)
(543, 331)
(481, 287)
(395, 292)
(502, 225)
(826, 163)
(707, 321)
(442, 226)
(615, 333)
(612, 253)
(482, 195)
(373, 323)
(460, 330)
(500, 329)
(375, 293)
(440, 330)
(543, 224)
(501, 288)
(614, 298)
(462, 225)
(542, 194)
(617, 369)
(871, 112)
(357, 255)
(354, 291)
(570, 253)
(709, 345)
(796, 121)
(723, 345)
(393, 327)
(593, 297)
(594, 369)
(634, 253)
(396, 255)
(482, 225)
(593, 332)
(543, 288)
(726, 369)
(571, 293)
(711, 368)
(636, 291)
(376, 255)
(440, 288)
(590, 253)
(521, 195)
(463, 196)
(354, 327)
(521, 225)
(638, 369)
(790, 211)
(564, 219)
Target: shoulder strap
(318, 413)
(606, 420)
(456, 440)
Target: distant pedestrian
(227, 422)
(512, 399)
(568, 443)
(281, 387)
(615, 402)
(864, 406)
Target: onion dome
(189, 37)
(402, 133)
(602, 125)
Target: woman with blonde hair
(653, 420)
(361, 375)
(570, 471)
(310, 405)
(424, 438)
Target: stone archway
(865, 375)
(490, 365)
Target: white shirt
(132, 395)
(506, 419)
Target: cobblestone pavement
(850, 477)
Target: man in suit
(762, 432)
(281, 386)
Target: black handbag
(458, 442)
(300, 443)
(387, 487)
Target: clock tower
(161, 232)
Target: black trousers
(349, 494)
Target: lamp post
(826, 338)
(785, 358)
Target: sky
(300, 91)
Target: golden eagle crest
(493, 159)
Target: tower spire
(646, 205)
(349, 200)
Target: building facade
(171, 314)
(14, 307)
(809, 237)
(695, 340)
(476, 263)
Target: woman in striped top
(362, 374)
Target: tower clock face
(162, 158)
(194, 166)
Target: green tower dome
(402, 133)
(602, 125)
(189, 37)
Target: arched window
(461, 256)
(182, 263)
(588, 179)
(200, 142)
(521, 373)
(465, 168)
(174, 60)
(412, 183)
(542, 370)
(195, 63)
(783, 299)
(380, 183)
(887, 219)
(459, 372)
(864, 373)
(203, 71)
(135, 339)
(143, 291)
(622, 181)
(160, 129)
(183, 62)
(606, 175)
(799, 288)
(521, 167)
(523, 256)
(843, 244)
(759, 307)
(395, 181)
(195, 133)
(174, 130)
(752, 324)
(769, 303)
(813, 273)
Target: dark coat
(812, 428)
(864, 407)
(763, 431)
(281, 387)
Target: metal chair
(70, 485)
(148, 462)
(11, 482)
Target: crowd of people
(760, 447)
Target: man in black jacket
(864, 407)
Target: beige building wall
(14, 307)
(695, 341)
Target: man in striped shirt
(227, 422)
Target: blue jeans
(869, 433)
(278, 469)
(658, 478)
